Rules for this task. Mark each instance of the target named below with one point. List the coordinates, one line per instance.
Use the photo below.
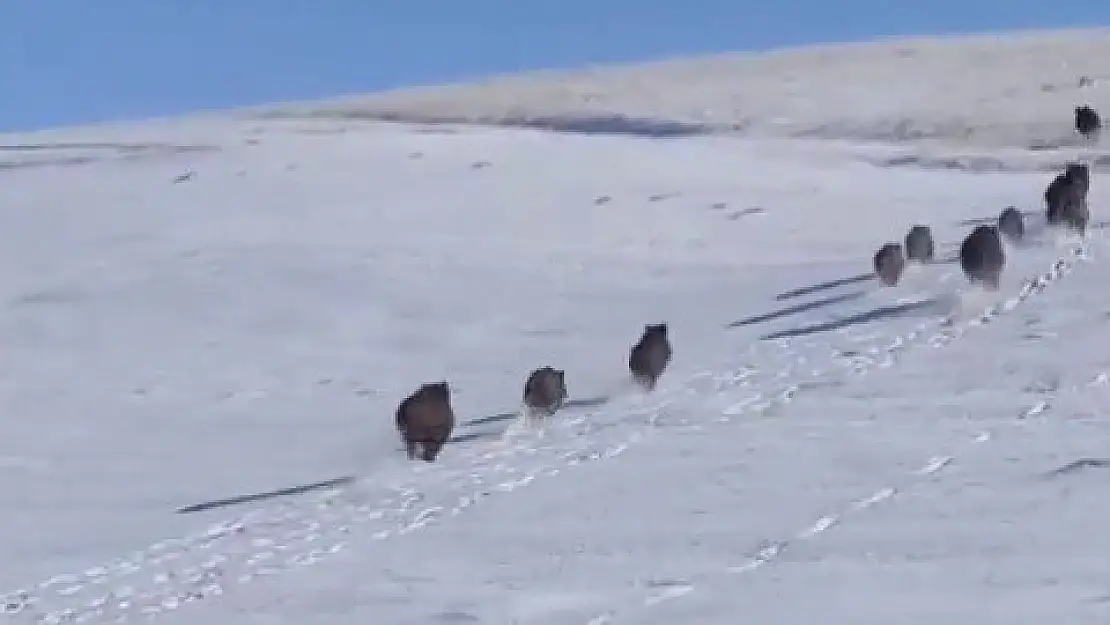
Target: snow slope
(232, 303)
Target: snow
(982, 91)
(232, 303)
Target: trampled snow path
(771, 550)
(173, 573)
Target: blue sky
(65, 62)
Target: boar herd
(981, 255)
(425, 418)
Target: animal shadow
(476, 436)
(1079, 465)
(880, 313)
(790, 310)
(824, 286)
(993, 219)
(494, 418)
(744, 212)
(251, 497)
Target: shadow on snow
(882, 312)
(790, 310)
(347, 479)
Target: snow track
(770, 551)
(173, 573)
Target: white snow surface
(233, 303)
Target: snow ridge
(173, 573)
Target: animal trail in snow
(771, 550)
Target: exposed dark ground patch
(980, 163)
(601, 124)
(55, 154)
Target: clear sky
(65, 62)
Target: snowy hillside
(228, 304)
